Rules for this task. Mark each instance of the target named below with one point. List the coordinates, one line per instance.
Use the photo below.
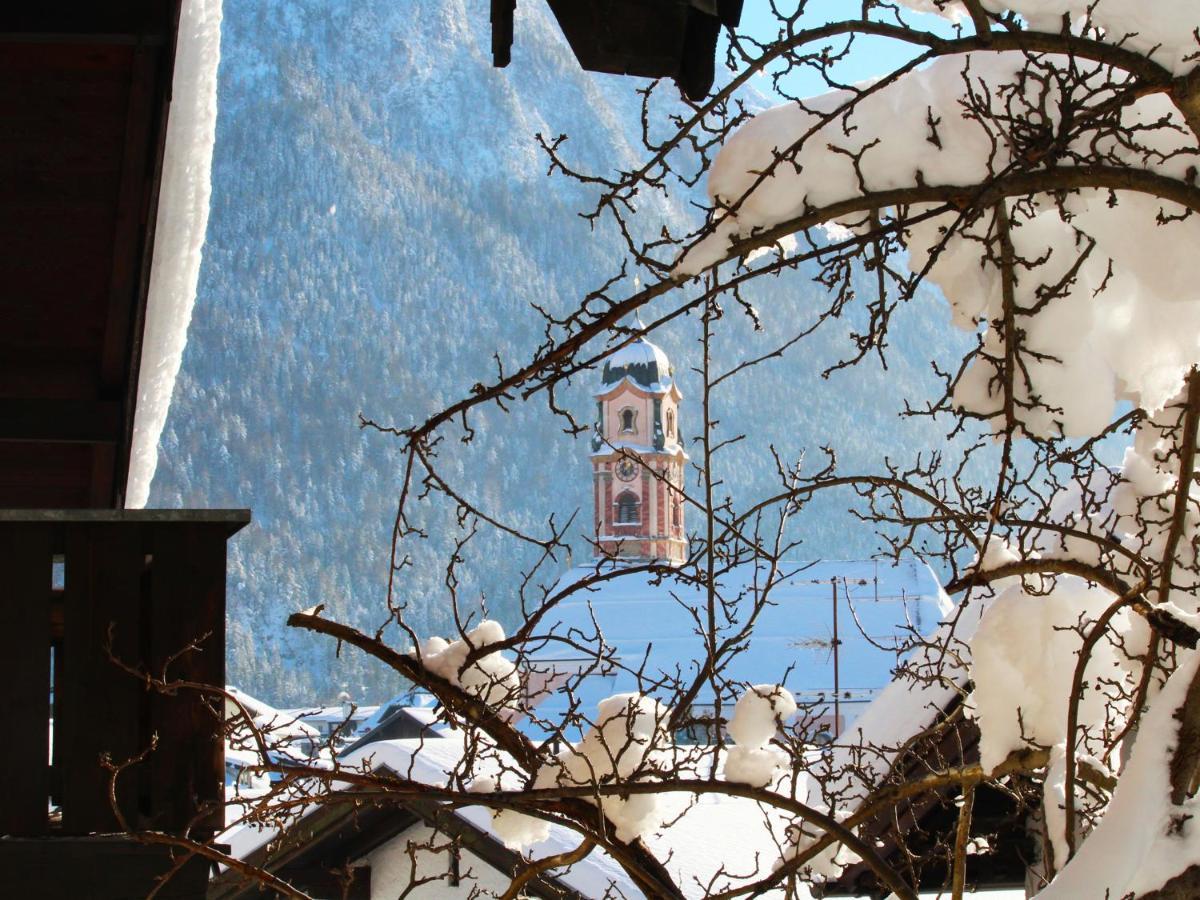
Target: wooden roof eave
(339, 835)
(67, 404)
(956, 745)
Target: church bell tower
(638, 458)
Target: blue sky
(871, 56)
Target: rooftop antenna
(832, 644)
(837, 687)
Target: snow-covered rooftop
(332, 714)
(878, 603)
(714, 833)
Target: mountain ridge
(381, 223)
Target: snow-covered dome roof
(643, 363)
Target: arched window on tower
(670, 423)
(628, 420)
(675, 513)
(629, 509)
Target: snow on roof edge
(181, 224)
(431, 764)
(903, 708)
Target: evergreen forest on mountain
(382, 221)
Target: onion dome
(643, 363)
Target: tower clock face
(627, 470)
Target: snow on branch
(1030, 175)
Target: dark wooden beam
(69, 421)
(147, 587)
(328, 838)
(78, 37)
(102, 600)
(39, 475)
(186, 641)
(141, 18)
(133, 239)
(340, 834)
(132, 202)
(98, 868)
(320, 882)
(26, 561)
(233, 519)
(488, 848)
(89, 87)
(502, 32)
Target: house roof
(914, 726)
(332, 836)
(710, 837)
(643, 617)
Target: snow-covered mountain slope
(381, 222)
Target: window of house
(675, 513)
(629, 509)
(670, 423)
(628, 419)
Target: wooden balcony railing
(78, 588)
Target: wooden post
(187, 642)
(101, 703)
(26, 563)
